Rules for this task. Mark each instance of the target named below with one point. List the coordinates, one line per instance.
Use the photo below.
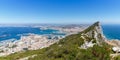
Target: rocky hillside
(93, 35)
(95, 32)
(86, 45)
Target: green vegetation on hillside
(69, 49)
(66, 49)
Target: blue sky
(60, 11)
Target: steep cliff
(95, 32)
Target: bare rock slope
(93, 35)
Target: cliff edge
(93, 34)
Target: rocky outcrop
(93, 34)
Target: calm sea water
(112, 31)
(16, 32)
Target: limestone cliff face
(94, 32)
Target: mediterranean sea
(7, 33)
(112, 31)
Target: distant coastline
(7, 33)
(110, 31)
(44, 36)
(34, 38)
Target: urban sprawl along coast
(35, 41)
